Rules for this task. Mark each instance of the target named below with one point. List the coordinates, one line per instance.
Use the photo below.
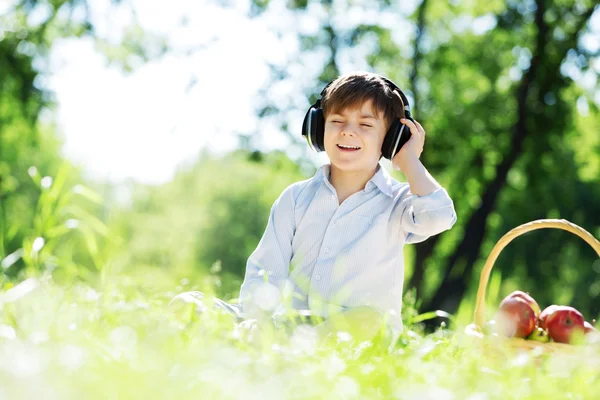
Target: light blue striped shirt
(319, 255)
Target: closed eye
(367, 125)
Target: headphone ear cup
(318, 129)
(395, 138)
(305, 125)
(313, 128)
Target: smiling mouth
(347, 148)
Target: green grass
(115, 340)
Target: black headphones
(313, 127)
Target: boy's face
(360, 128)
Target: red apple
(530, 300)
(592, 335)
(539, 335)
(515, 317)
(588, 327)
(544, 315)
(565, 325)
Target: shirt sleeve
(267, 267)
(426, 216)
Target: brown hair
(354, 89)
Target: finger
(423, 134)
(421, 128)
(411, 125)
(413, 128)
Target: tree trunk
(454, 283)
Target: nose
(348, 130)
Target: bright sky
(144, 124)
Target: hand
(412, 148)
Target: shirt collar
(382, 179)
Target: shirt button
(326, 250)
(318, 277)
(333, 196)
(334, 224)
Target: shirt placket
(318, 290)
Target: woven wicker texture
(501, 244)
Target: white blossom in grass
(237, 332)
(304, 339)
(521, 359)
(39, 337)
(562, 364)
(123, 336)
(46, 182)
(72, 223)
(333, 366)
(366, 369)
(346, 388)
(12, 258)
(7, 332)
(142, 305)
(38, 244)
(477, 396)
(266, 296)
(91, 295)
(277, 348)
(22, 360)
(490, 371)
(124, 340)
(71, 357)
(427, 347)
(21, 290)
(344, 337)
(424, 392)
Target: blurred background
(150, 139)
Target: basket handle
(507, 238)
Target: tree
(215, 211)
(28, 146)
(494, 85)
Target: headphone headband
(402, 96)
(313, 126)
(386, 80)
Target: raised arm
(424, 216)
(426, 209)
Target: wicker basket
(476, 327)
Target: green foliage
(64, 233)
(23, 143)
(215, 211)
(119, 342)
(82, 299)
(511, 133)
(46, 219)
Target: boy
(334, 243)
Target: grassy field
(116, 341)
